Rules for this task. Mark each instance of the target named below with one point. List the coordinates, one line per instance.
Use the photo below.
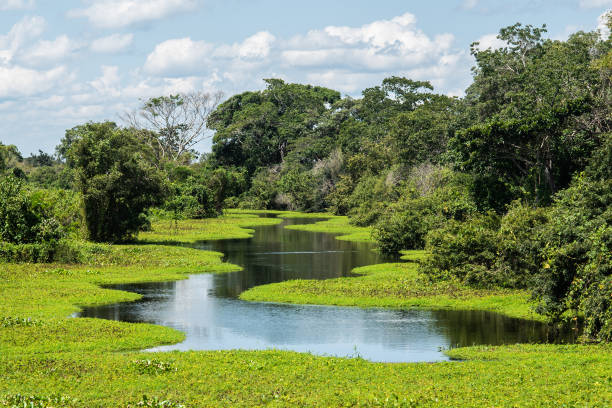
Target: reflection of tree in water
(470, 327)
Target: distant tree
(9, 155)
(117, 179)
(173, 125)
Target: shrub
(464, 250)
(117, 179)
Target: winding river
(206, 307)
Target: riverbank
(395, 285)
(92, 363)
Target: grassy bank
(536, 376)
(57, 361)
(395, 285)
(234, 225)
(340, 226)
(36, 299)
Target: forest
(508, 187)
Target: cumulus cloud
(49, 51)
(19, 81)
(22, 32)
(112, 44)
(380, 46)
(351, 56)
(178, 57)
(595, 3)
(490, 41)
(16, 4)
(122, 13)
(469, 4)
(602, 24)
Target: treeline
(509, 186)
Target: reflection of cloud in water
(206, 309)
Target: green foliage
(575, 276)
(431, 197)
(37, 401)
(153, 366)
(191, 200)
(116, 178)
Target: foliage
(116, 178)
(428, 200)
(575, 277)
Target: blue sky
(63, 63)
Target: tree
(117, 178)
(173, 125)
(9, 156)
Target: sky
(63, 63)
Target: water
(206, 307)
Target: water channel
(206, 307)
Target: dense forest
(509, 186)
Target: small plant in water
(36, 401)
(11, 321)
(156, 403)
(153, 366)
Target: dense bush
(191, 200)
(117, 179)
(424, 205)
(576, 274)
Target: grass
(395, 285)
(338, 225)
(234, 225)
(511, 376)
(50, 360)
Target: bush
(464, 250)
(405, 224)
(575, 277)
(117, 180)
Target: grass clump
(153, 366)
(396, 285)
(338, 225)
(230, 226)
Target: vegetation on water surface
(521, 375)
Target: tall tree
(173, 125)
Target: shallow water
(206, 307)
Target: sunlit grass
(338, 225)
(231, 226)
(49, 359)
(395, 285)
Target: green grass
(338, 225)
(512, 376)
(230, 226)
(278, 213)
(395, 285)
(54, 361)
(47, 294)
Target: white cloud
(490, 41)
(595, 3)
(470, 4)
(381, 45)
(22, 32)
(122, 13)
(257, 46)
(347, 56)
(18, 81)
(112, 43)
(16, 4)
(176, 57)
(46, 51)
(602, 24)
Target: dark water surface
(206, 307)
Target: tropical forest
(400, 247)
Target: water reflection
(206, 307)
